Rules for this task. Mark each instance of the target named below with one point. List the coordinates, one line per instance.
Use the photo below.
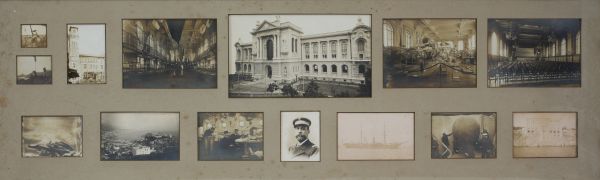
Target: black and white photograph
(376, 136)
(86, 53)
(34, 36)
(286, 56)
(545, 135)
(51, 136)
(534, 53)
(230, 136)
(34, 69)
(301, 136)
(170, 53)
(463, 135)
(139, 136)
(430, 53)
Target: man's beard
(301, 137)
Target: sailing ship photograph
(376, 136)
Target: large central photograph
(278, 56)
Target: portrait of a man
(300, 136)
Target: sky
(240, 26)
(552, 120)
(42, 130)
(26, 64)
(399, 127)
(26, 29)
(141, 121)
(91, 39)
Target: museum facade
(281, 52)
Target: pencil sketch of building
(275, 58)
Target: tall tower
(73, 50)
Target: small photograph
(230, 136)
(534, 53)
(376, 136)
(300, 136)
(130, 136)
(286, 56)
(170, 53)
(86, 54)
(545, 135)
(34, 69)
(463, 135)
(51, 136)
(33, 36)
(430, 53)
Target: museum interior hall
(169, 53)
(429, 53)
(534, 52)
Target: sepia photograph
(300, 136)
(170, 53)
(51, 136)
(534, 53)
(34, 69)
(139, 136)
(463, 135)
(430, 53)
(287, 56)
(34, 36)
(376, 136)
(86, 53)
(230, 136)
(545, 135)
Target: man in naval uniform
(304, 147)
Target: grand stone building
(281, 52)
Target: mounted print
(34, 36)
(463, 135)
(51, 136)
(144, 136)
(169, 53)
(545, 135)
(430, 53)
(279, 56)
(376, 136)
(300, 136)
(86, 53)
(534, 53)
(230, 136)
(34, 69)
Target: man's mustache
(300, 135)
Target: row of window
(557, 47)
(333, 49)
(407, 39)
(361, 68)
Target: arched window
(360, 43)
(245, 67)
(494, 44)
(388, 32)
(578, 43)
(344, 68)
(334, 68)
(563, 47)
(307, 68)
(361, 68)
(324, 68)
(315, 68)
(249, 67)
(239, 54)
